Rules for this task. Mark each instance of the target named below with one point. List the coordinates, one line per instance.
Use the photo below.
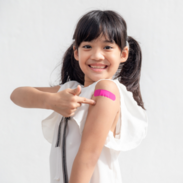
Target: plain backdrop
(33, 37)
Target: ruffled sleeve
(133, 123)
(51, 118)
(133, 120)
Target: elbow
(12, 96)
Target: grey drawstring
(64, 163)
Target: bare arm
(33, 97)
(98, 123)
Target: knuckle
(72, 114)
(68, 114)
(72, 106)
(73, 99)
(70, 111)
(73, 110)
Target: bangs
(91, 26)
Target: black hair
(112, 25)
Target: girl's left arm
(97, 126)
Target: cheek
(83, 61)
(113, 58)
(83, 56)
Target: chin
(98, 78)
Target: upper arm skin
(53, 89)
(99, 120)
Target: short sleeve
(52, 118)
(133, 120)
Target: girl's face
(99, 52)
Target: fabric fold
(52, 117)
(133, 119)
(48, 125)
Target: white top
(131, 128)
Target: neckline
(88, 85)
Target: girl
(106, 63)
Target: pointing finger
(85, 100)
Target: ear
(124, 54)
(75, 53)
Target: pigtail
(70, 69)
(131, 70)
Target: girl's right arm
(33, 97)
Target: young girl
(106, 63)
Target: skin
(98, 51)
(100, 116)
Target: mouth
(98, 69)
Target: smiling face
(101, 52)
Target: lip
(97, 69)
(97, 64)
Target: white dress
(131, 128)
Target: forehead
(102, 38)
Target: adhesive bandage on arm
(104, 93)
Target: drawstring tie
(63, 151)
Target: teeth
(100, 67)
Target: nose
(97, 55)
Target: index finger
(85, 100)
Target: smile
(98, 68)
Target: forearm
(30, 97)
(83, 167)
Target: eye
(109, 47)
(87, 46)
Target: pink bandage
(104, 93)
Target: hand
(67, 101)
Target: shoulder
(110, 89)
(108, 85)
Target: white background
(33, 37)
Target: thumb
(76, 91)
